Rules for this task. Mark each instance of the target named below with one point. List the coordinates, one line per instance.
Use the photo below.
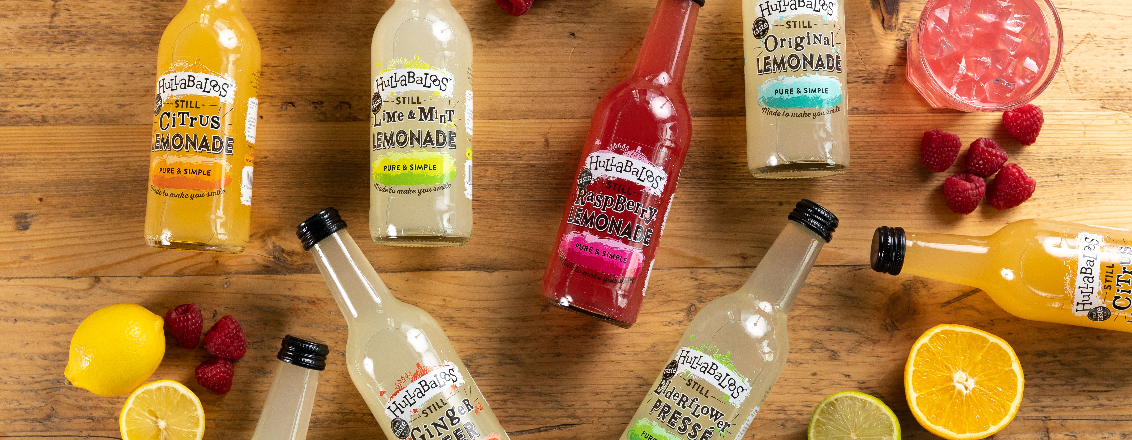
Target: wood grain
(76, 80)
(550, 374)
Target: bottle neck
(953, 258)
(286, 411)
(784, 268)
(664, 53)
(356, 287)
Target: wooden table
(76, 84)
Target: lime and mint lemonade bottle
(398, 356)
(204, 130)
(735, 348)
(421, 126)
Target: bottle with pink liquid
(624, 185)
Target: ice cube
(994, 10)
(943, 13)
(1026, 72)
(1011, 43)
(962, 35)
(959, 10)
(977, 65)
(1015, 23)
(966, 89)
(999, 90)
(941, 48)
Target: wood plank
(551, 374)
(72, 62)
(76, 195)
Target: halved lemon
(162, 410)
(850, 415)
(963, 383)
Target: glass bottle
(421, 126)
(736, 346)
(204, 130)
(287, 410)
(1034, 269)
(627, 175)
(796, 88)
(397, 355)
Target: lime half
(850, 415)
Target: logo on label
(426, 383)
(409, 80)
(707, 368)
(610, 165)
(781, 9)
(760, 28)
(1087, 285)
(176, 84)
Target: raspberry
(1024, 123)
(938, 150)
(985, 157)
(226, 339)
(964, 192)
(216, 374)
(515, 7)
(1010, 187)
(185, 322)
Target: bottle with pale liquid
(398, 356)
(736, 346)
(1042, 270)
(421, 126)
(287, 411)
(204, 130)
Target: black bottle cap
(816, 218)
(319, 226)
(888, 250)
(699, 2)
(303, 353)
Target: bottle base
(421, 241)
(194, 246)
(587, 312)
(799, 170)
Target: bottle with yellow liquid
(204, 130)
(1034, 269)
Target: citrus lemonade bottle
(626, 178)
(421, 126)
(397, 355)
(735, 348)
(204, 130)
(1034, 269)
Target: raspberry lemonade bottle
(204, 130)
(398, 356)
(627, 176)
(735, 348)
(421, 126)
(1034, 269)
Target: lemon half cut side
(162, 410)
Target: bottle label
(436, 402)
(193, 139)
(416, 139)
(798, 57)
(1101, 280)
(616, 209)
(697, 397)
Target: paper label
(251, 119)
(177, 84)
(415, 80)
(610, 165)
(796, 59)
(436, 403)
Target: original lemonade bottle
(421, 126)
(1034, 269)
(204, 130)
(398, 356)
(736, 346)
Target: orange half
(962, 382)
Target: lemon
(850, 415)
(162, 410)
(115, 350)
(962, 382)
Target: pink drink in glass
(988, 55)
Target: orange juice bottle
(1035, 269)
(204, 130)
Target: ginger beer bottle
(398, 357)
(421, 126)
(204, 130)
(1034, 269)
(735, 348)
